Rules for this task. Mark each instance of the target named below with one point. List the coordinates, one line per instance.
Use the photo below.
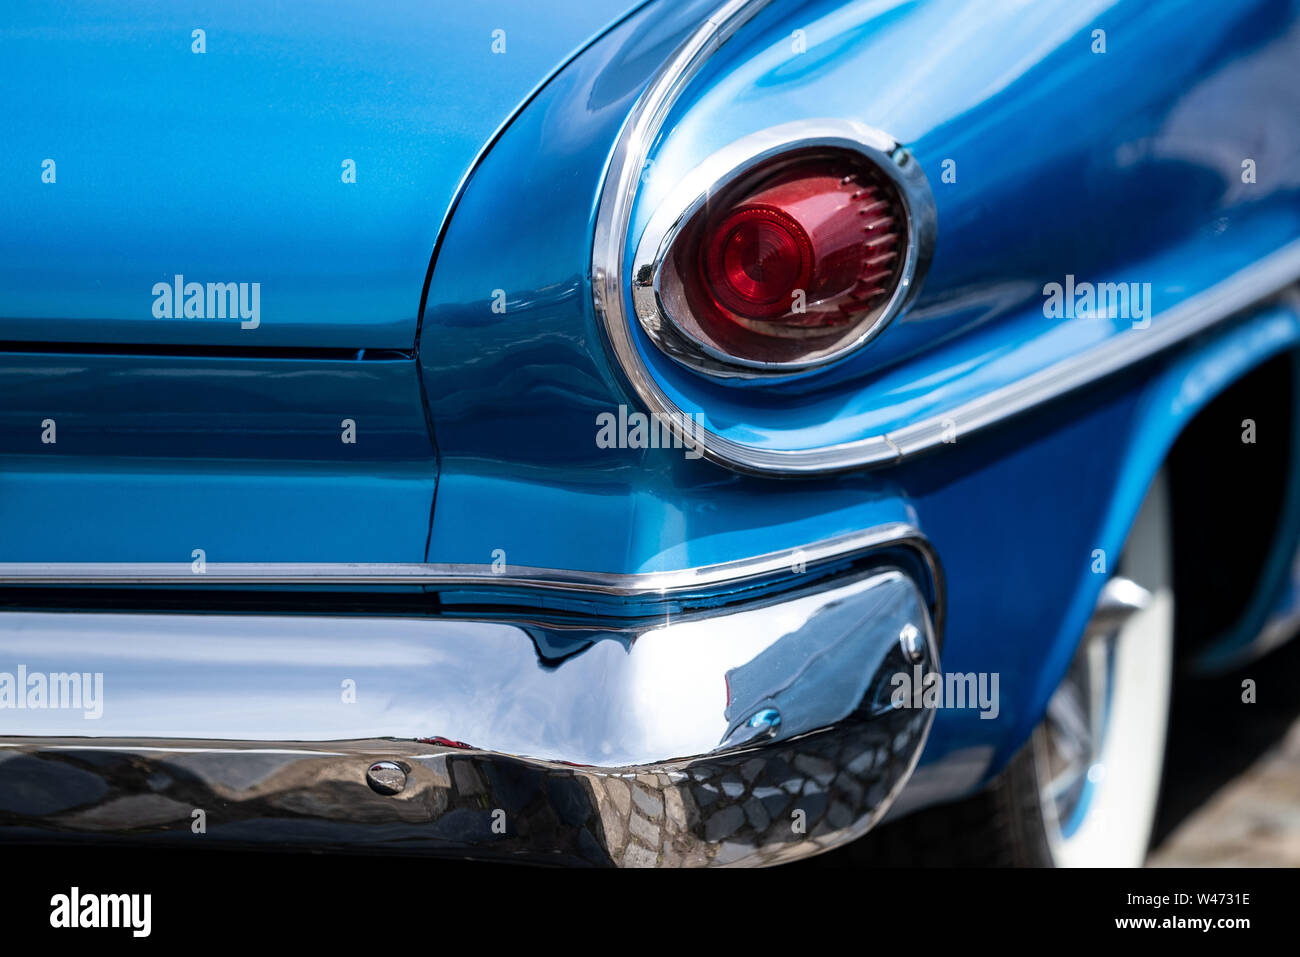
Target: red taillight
(755, 259)
(791, 262)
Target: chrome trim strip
(662, 583)
(723, 167)
(1254, 283)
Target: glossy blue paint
(517, 393)
(227, 165)
(160, 510)
(186, 407)
(514, 396)
(145, 458)
(1043, 173)
(1167, 404)
(1015, 514)
(240, 461)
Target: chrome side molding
(670, 583)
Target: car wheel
(1097, 756)
(1083, 789)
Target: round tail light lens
(754, 259)
(790, 264)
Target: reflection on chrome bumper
(751, 736)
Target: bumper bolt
(386, 777)
(910, 641)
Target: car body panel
(161, 510)
(1017, 512)
(1040, 175)
(149, 457)
(171, 162)
(1050, 504)
(1068, 162)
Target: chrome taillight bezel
(665, 317)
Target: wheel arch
(1263, 347)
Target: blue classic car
(636, 432)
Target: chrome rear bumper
(747, 736)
